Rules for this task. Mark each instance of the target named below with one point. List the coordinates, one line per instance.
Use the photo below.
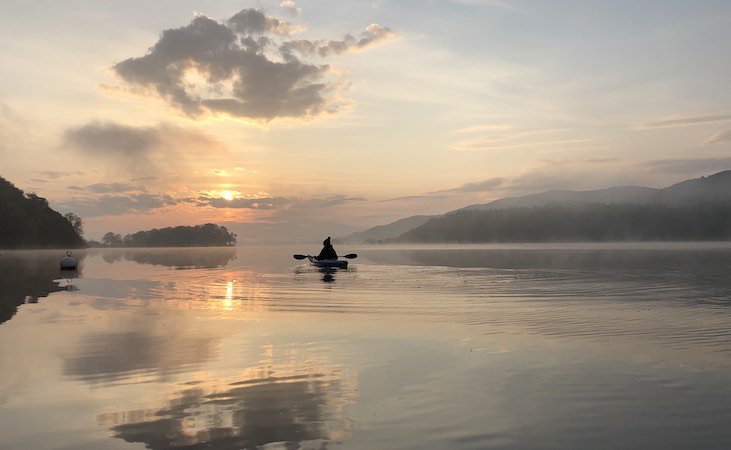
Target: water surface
(504, 347)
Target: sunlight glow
(226, 194)
(228, 299)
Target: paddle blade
(299, 256)
(350, 256)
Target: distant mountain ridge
(385, 232)
(622, 194)
(715, 187)
(711, 189)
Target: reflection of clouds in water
(152, 341)
(182, 257)
(299, 405)
(116, 356)
(179, 258)
(225, 291)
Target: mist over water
(510, 347)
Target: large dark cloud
(243, 67)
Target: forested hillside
(696, 209)
(208, 235)
(26, 221)
(592, 222)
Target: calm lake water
(494, 347)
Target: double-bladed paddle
(348, 256)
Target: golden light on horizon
(228, 299)
(226, 194)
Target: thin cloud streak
(109, 188)
(683, 121)
(488, 145)
(488, 185)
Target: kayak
(335, 263)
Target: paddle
(348, 256)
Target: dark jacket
(327, 252)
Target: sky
(294, 120)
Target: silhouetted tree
(208, 235)
(112, 240)
(27, 221)
(75, 222)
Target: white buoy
(68, 261)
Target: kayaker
(327, 252)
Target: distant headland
(208, 235)
(28, 222)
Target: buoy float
(68, 261)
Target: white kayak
(336, 263)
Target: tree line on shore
(207, 235)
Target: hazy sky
(314, 118)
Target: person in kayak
(327, 252)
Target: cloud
(720, 137)
(261, 203)
(504, 137)
(683, 121)
(265, 201)
(112, 205)
(141, 150)
(290, 6)
(54, 175)
(407, 198)
(14, 131)
(689, 167)
(327, 202)
(239, 68)
(482, 186)
(602, 174)
(587, 174)
(485, 127)
(372, 35)
(107, 188)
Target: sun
(227, 195)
